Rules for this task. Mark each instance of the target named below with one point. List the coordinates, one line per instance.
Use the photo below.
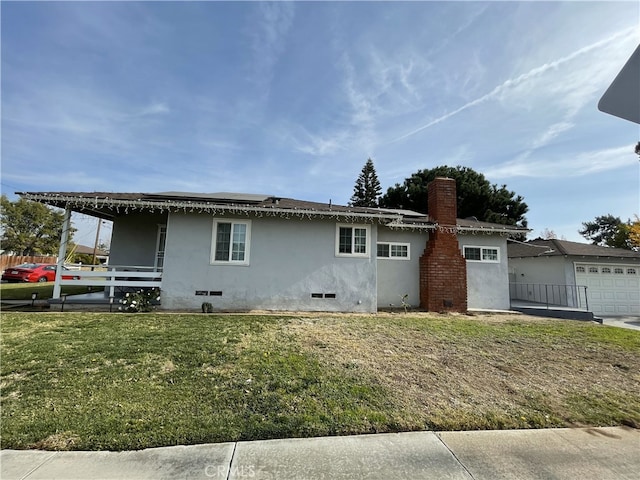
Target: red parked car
(34, 272)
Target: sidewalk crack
(46, 460)
(233, 454)
(455, 456)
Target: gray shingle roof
(555, 247)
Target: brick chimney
(443, 269)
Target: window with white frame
(231, 242)
(482, 254)
(393, 250)
(160, 246)
(352, 240)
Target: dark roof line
(109, 205)
(566, 248)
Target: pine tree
(367, 188)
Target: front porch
(116, 281)
(137, 256)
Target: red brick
(443, 269)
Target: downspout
(62, 253)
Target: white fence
(117, 277)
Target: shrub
(140, 301)
(207, 307)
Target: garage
(612, 289)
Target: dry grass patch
(501, 371)
(58, 441)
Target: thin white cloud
(376, 88)
(360, 102)
(269, 34)
(576, 165)
(152, 109)
(84, 117)
(361, 106)
(303, 141)
(71, 180)
(512, 83)
(379, 85)
(550, 133)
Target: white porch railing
(116, 277)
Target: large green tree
(367, 188)
(30, 228)
(610, 231)
(477, 197)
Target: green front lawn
(100, 381)
(23, 291)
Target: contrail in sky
(522, 78)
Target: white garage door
(611, 289)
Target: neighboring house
(611, 275)
(246, 252)
(101, 255)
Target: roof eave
(87, 204)
(459, 228)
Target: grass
(96, 381)
(23, 291)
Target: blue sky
(291, 99)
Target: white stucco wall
(289, 260)
(547, 270)
(397, 277)
(556, 270)
(487, 283)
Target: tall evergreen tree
(367, 188)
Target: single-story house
(611, 275)
(248, 251)
(101, 255)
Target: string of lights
(504, 231)
(120, 206)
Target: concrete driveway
(632, 322)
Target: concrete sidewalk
(588, 453)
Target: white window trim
(161, 242)
(247, 250)
(481, 247)
(390, 257)
(367, 228)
